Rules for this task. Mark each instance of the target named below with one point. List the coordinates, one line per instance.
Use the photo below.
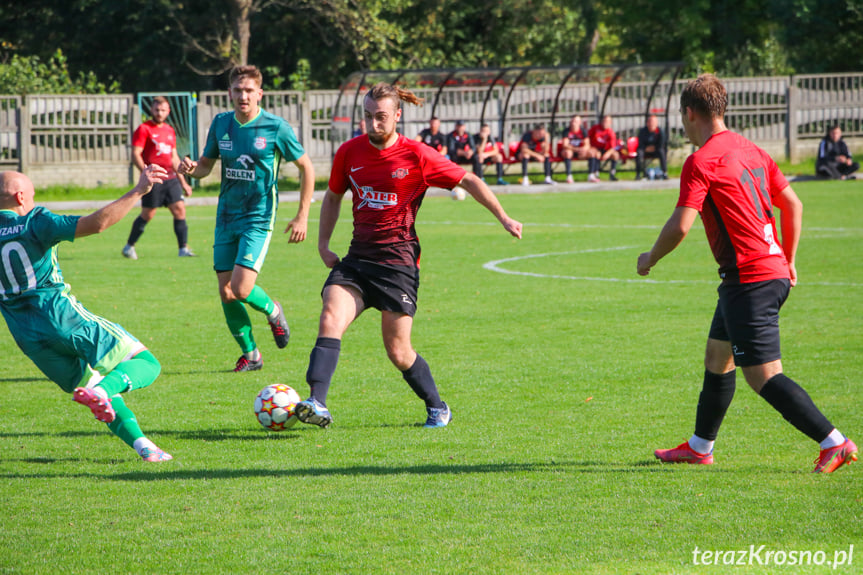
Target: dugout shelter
(511, 100)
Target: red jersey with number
(602, 139)
(388, 187)
(732, 183)
(158, 142)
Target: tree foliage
(151, 45)
(23, 75)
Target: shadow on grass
(195, 435)
(165, 473)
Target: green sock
(135, 373)
(124, 426)
(240, 325)
(260, 301)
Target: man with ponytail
(735, 186)
(388, 175)
(86, 355)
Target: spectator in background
(650, 145)
(360, 130)
(488, 153)
(433, 137)
(834, 160)
(461, 148)
(603, 138)
(535, 146)
(574, 144)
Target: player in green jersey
(251, 143)
(84, 354)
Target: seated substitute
(651, 144)
(461, 148)
(433, 137)
(489, 153)
(574, 144)
(834, 159)
(535, 147)
(603, 138)
(360, 130)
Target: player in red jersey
(155, 142)
(388, 176)
(574, 144)
(735, 186)
(603, 138)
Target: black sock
(181, 230)
(796, 407)
(591, 165)
(716, 395)
(524, 168)
(322, 366)
(420, 379)
(547, 166)
(568, 163)
(137, 229)
(499, 171)
(613, 167)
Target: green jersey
(64, 340)
(29, 270)
(250, 155)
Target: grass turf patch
(564, 369)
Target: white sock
(253, 355)
(101, 392)
(699, 445)
(143, 443)
(273, 316)
(835, 438)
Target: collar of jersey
(258, 115)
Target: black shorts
(747, 315)
(164, 194)
(383, 287)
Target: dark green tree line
(147, 45)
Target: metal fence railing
(45, 133)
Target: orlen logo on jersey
(238, 174)
(373, 199)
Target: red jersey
(602, 139)
(388, 187)
(575, 137)
(732, 183)
(158, 142)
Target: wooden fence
(85, 140)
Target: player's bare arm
(199, 169)
(330, 208)
(175, 163)
(104, 218)
(298, 227)
(138, 158)
(791, 222)
(483, 194)
(673, 232)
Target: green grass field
(564, 374)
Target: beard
(380, 138)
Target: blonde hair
(706, 96)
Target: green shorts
(246, 248)
(69, 344)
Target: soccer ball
(458, 193)
(274, 407)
